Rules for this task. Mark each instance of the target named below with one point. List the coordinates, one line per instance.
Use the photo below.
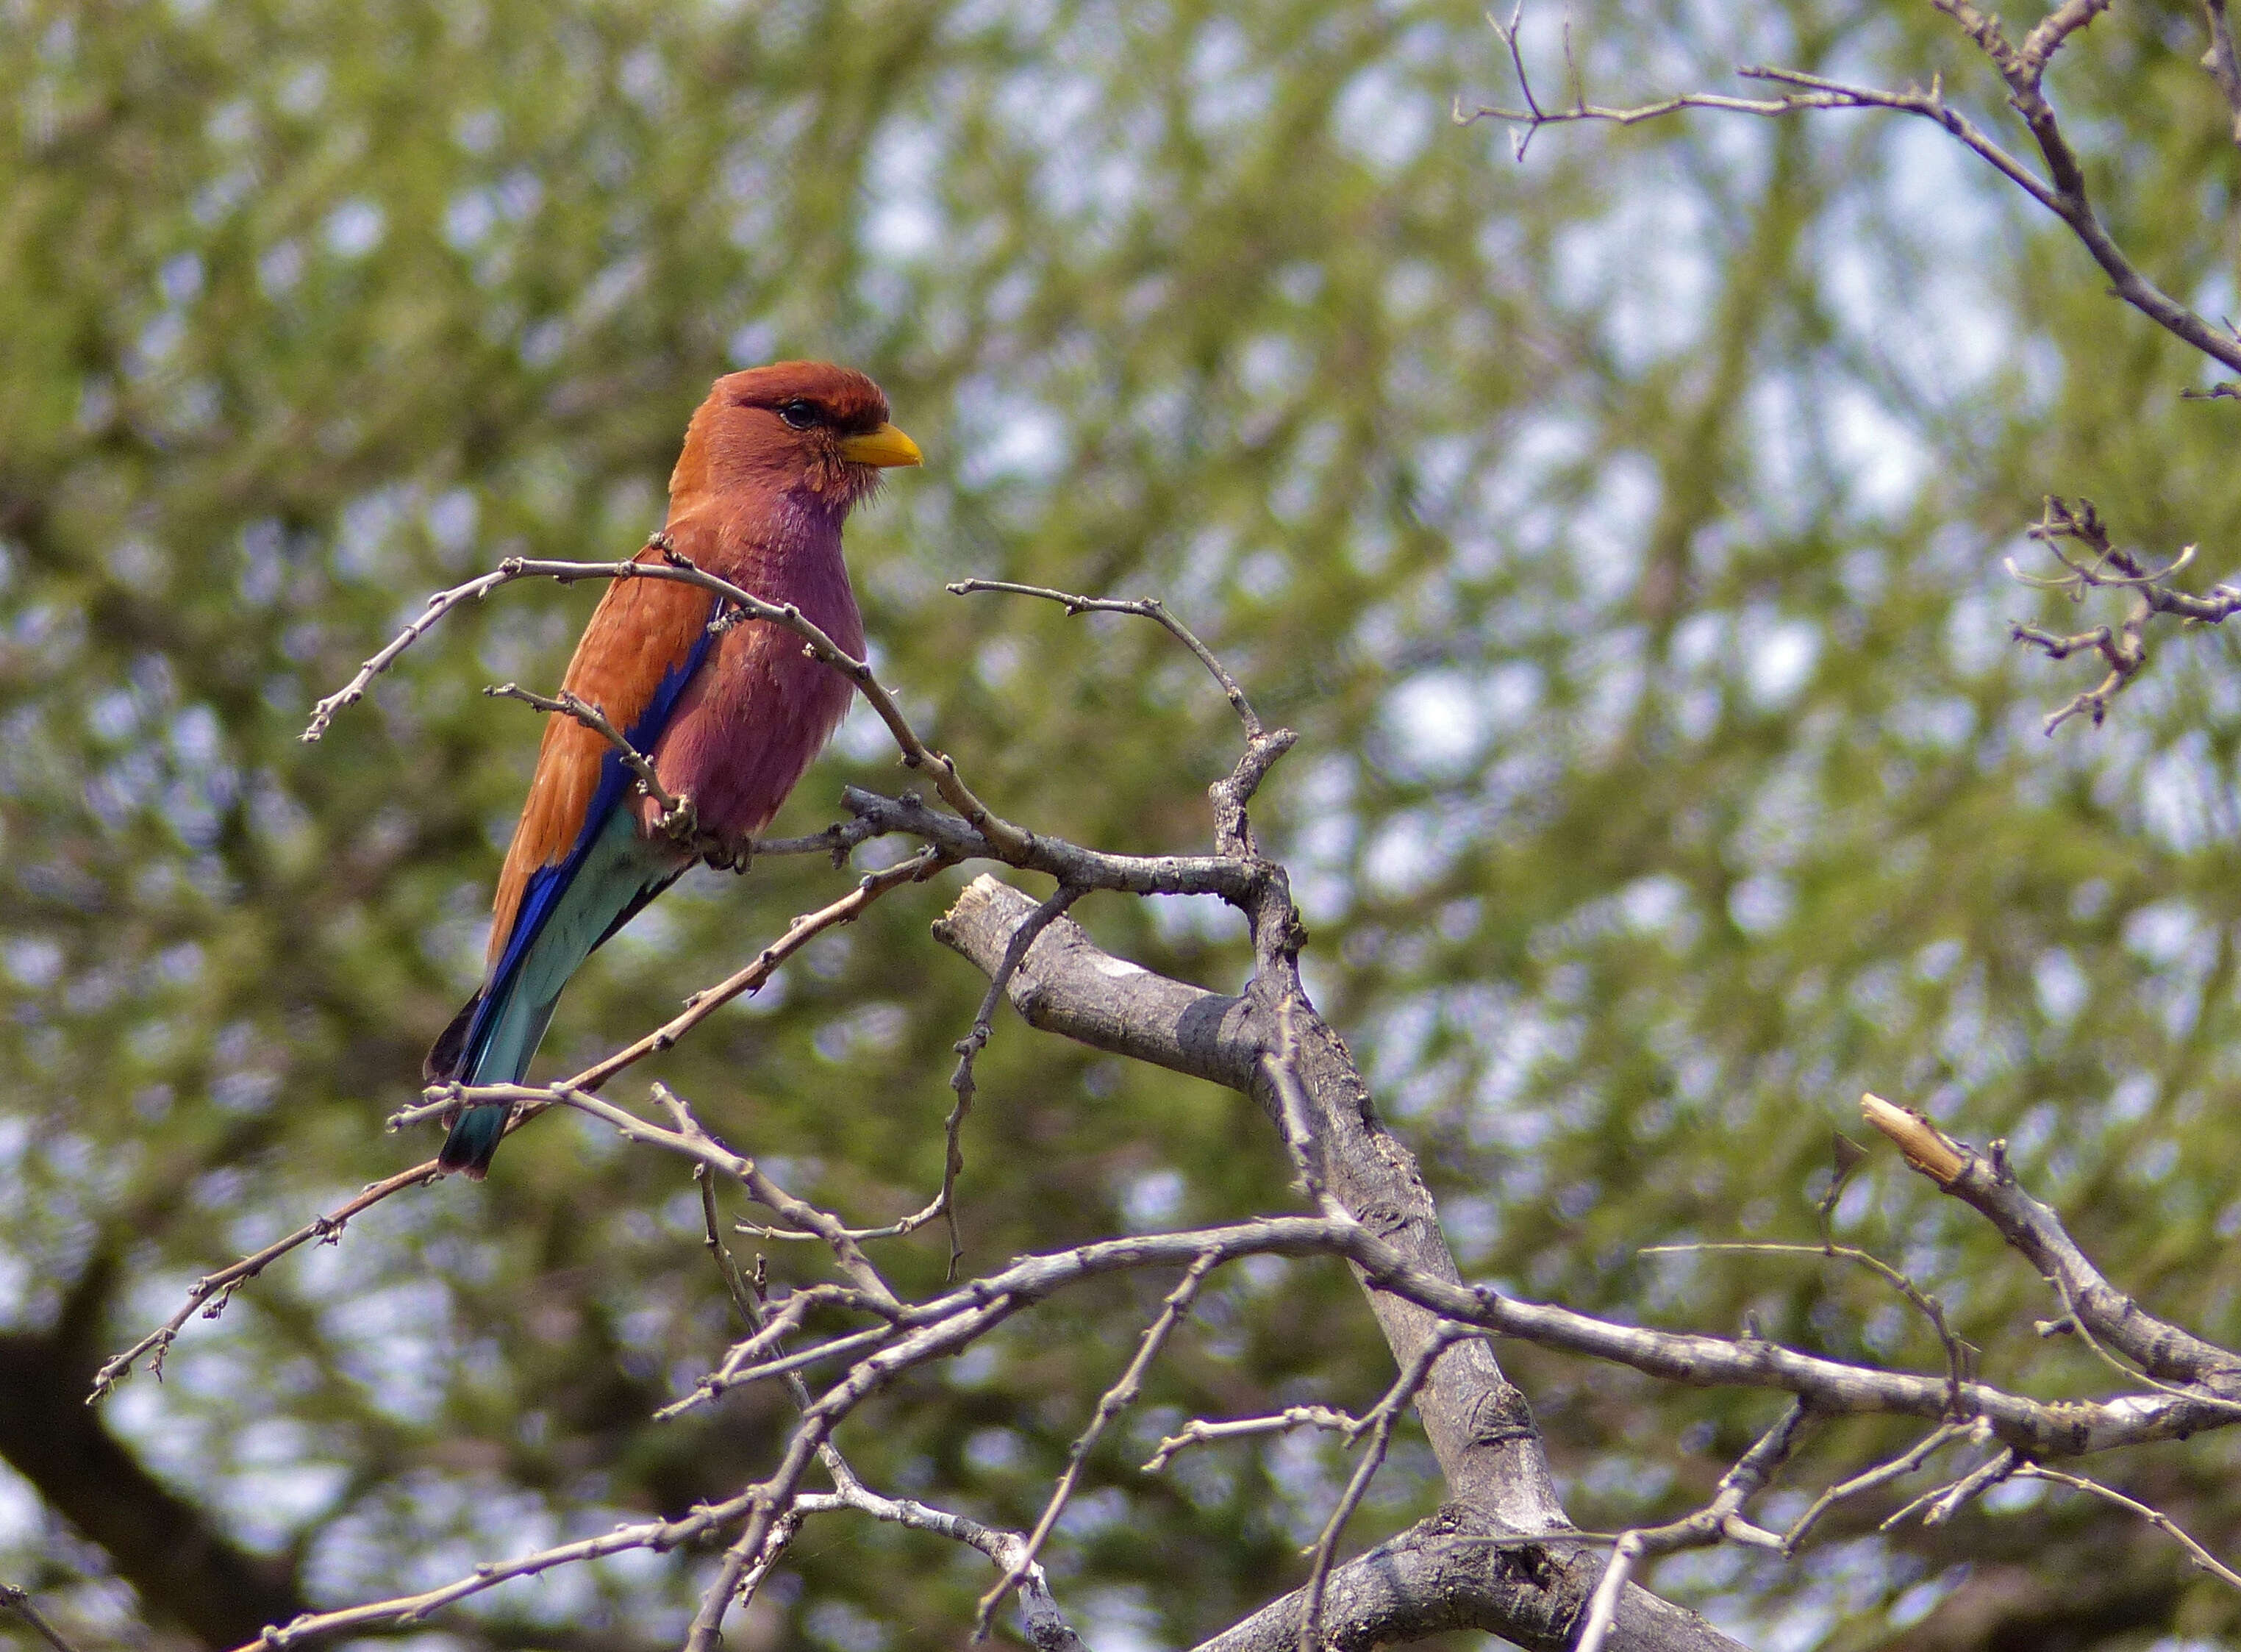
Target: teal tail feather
(494, 1037)
(473, 1141)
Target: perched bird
(773, 462)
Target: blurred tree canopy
(1622, 529)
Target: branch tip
(1927, 1149)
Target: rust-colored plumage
(639, 630)
(773, 462)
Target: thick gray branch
(2163, 1349)
(1070, 863)
(1479, 1425)
(1454, 1572)
(1132, 1011)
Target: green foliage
(1621, 529)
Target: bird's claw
(729, 857)
(680, 821)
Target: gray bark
(1434, 1577)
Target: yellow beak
(884, 447)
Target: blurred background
(1623, 530)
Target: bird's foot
(727, 854)
(680, 821)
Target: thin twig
(783, 1530)
(1110, 1404)
(530, 1102)
(1533, 116)
(1199, 1432)
(1720, 1519)
(2073, 1320)
(748, 1299)
(1602, 1605)
(2062, 192)
(2124, 646)
(1378, 1423)
(216, 1289)
(1959, 1354)
(2194, 1552)
(697, 1008)
(679, 820)
(1009, 842)
(735, 1284)
(1144, 608)
(746, 1563)
(1047, 1629)
(406, 1610)
(968, 1050)
(1882, 1474)
(19, 1602)
(1941, 1504)
(1966, 1490)
(688, 1138)
(438, 606)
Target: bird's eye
(798, 413)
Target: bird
(730, 715)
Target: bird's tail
(500, 1056)
(492, 1038)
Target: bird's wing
(645, 641)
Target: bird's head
(793, 426)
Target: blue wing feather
(548, 884)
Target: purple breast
(757, 714)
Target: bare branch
(1378, 1424)
(1114, 1400)
(216, 1289)
(1479, 1426)
(745, 1301)
(1198, 1432)
(1046, 1628)
(16, 1601)
(2123, 647)
(405, 1611)
(746, 1563)
(699, 1007)
(1720, 1519)
(1940, 1503)
(1145, 607)
(689, 1138)
(438, 606)
(2164, 1351)
(1960, 1355)
(1882, 1474)
(2072, 1320)
(1065, 984)
(1966, 1490)
(1008, 841)
(679, 819)
(2062, 192)
(1454, 1571)
(2194, 1552)
(1297, 1126)
(1925, 1147)
(968, 1050)
(1602, 1606)
(1165, 875)
(2050, 34)
(1533, 116)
